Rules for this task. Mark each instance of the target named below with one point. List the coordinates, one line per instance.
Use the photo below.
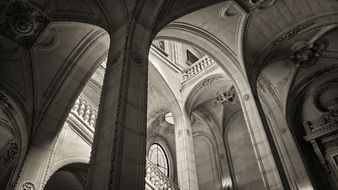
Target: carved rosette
(28, 186)
(23, 23)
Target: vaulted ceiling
(45, 71)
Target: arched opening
(289, 89)
(72, 177)
(210, 78)
(159, 158)
(13, 140)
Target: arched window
(158, 157)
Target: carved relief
(188, 132)
(246, 97)
(11, 153)
(308, 55)
(23, 23)
(227, 97)
(292, 33)
(28, 186)
(324, 128)
(208, 82)
(181, 132)
(5, 104)
(326, 97)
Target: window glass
(158, 157)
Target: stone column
(119, 149)
(186, 165)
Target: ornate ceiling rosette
(309, 55)
(23, 23)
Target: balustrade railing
(84, 111)
(196, 68)
(156, 180)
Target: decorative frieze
(326, 126)
(208, 82)
(290, 34)
(327, 123)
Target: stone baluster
(196, 68)
(158, 180)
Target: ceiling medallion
(308, 55)
(23, 23)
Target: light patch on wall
(169, 118)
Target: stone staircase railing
(196, 68)
(84, 111)
(156, 180)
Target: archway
(72, 177)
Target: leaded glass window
(158, 157)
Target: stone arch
(233, 66)
(72, 64)
(168, 146)
(203, 85)
(235, 130)
(281, 82)
(303, 115)
(14, 139)
(71, 175)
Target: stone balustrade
(156, 180)
(84, 111)
(196, 68)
